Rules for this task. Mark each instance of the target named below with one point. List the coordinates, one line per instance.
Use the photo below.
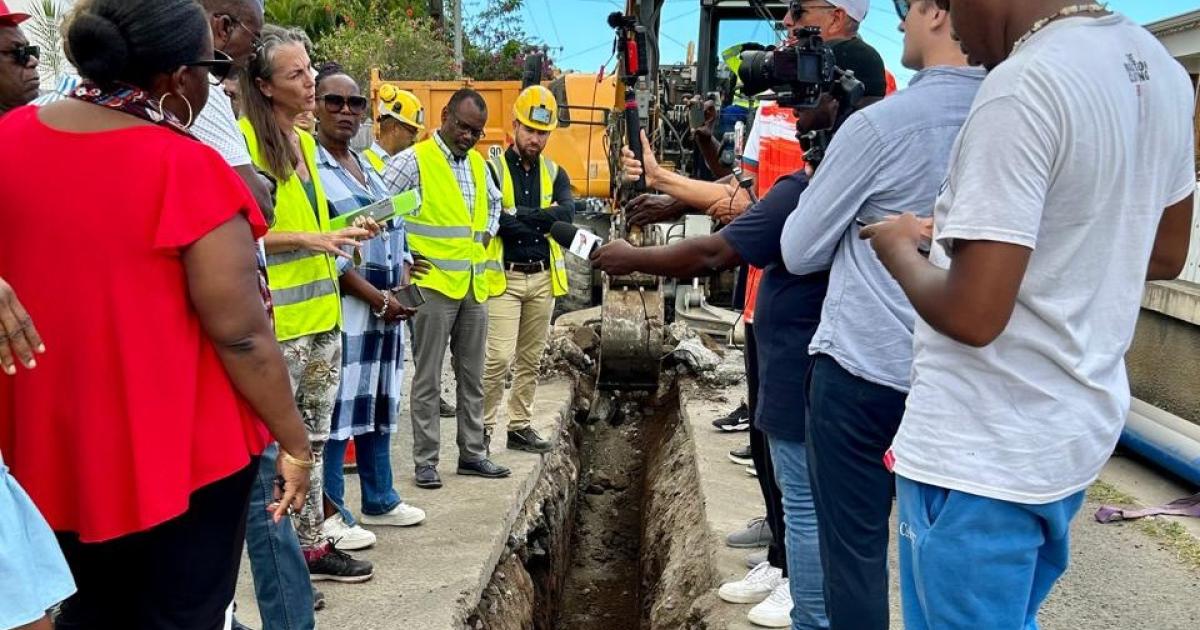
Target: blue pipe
(1168, 441)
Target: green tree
(495, 43)
(320, 18)
(403, 48)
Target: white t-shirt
(216, 127)
(1073, 148)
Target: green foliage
(397, 37)
(402, 48)
(45, 29)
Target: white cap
(856, 9)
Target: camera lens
(756, 71)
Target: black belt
(534, 267)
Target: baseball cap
(10, 18)
(856, 9)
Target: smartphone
(409, 296)
(871, 219)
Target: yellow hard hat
(402, 105)
(536, 108)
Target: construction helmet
(536, 108)
(402, 105)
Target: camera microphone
(579, 242)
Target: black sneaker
(736, 420)
(338, 566)
(446, 409)
(427, 477)
(528, 440)
(483, 468)
(741, 456)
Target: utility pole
(458, 38)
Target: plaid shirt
(403, 174)
(372, 351)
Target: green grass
(1173, 536)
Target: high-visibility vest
(303, 283)
(445, 232)
(497, 282)
(376, 160)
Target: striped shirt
(372, 351)
(403, 174)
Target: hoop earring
(191, 113)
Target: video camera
(798, 74)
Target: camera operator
(724, 199)
(786, 315)
(888, 159)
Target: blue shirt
(887, 159)
(786, 314)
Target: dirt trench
(613, 537)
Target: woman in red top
(131, 244)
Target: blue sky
(575, 29)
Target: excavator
(601, 112)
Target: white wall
(1191, 272)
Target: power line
(553, 23)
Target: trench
(613, 536)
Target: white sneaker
(776, 610)
(758, 584)
(345, 537)
(403, 515)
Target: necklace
(1062, 13)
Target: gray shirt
(889, 158)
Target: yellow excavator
(600, 113)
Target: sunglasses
(23, 54)
(798, 8)
(903, 7)
(219, 67)
(334, 103)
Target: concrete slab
(1119, 575)
(431, 576)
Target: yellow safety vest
(445, 232)
(304, 284)
(497, 282)
(375, 160)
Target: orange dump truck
(579, 145)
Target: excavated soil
(613, 537)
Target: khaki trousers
(518, 325)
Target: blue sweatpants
(971, 562)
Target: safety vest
(303, 283)
(497, 282)
(375, 160)
(444, 231)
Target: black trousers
(179, 575)
(760, 452)
(851, 424)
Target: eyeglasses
(797, 8)
(219, 67)
(334, 103)
(23, 54)
(476, 132)
(254, 37)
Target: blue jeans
(806, 578)
(851, 424)
(968, 561)
(379, 495)
(281, 582)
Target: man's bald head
(236, 26)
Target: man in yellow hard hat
(401, 119)
(530, 272)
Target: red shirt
(130, 410)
